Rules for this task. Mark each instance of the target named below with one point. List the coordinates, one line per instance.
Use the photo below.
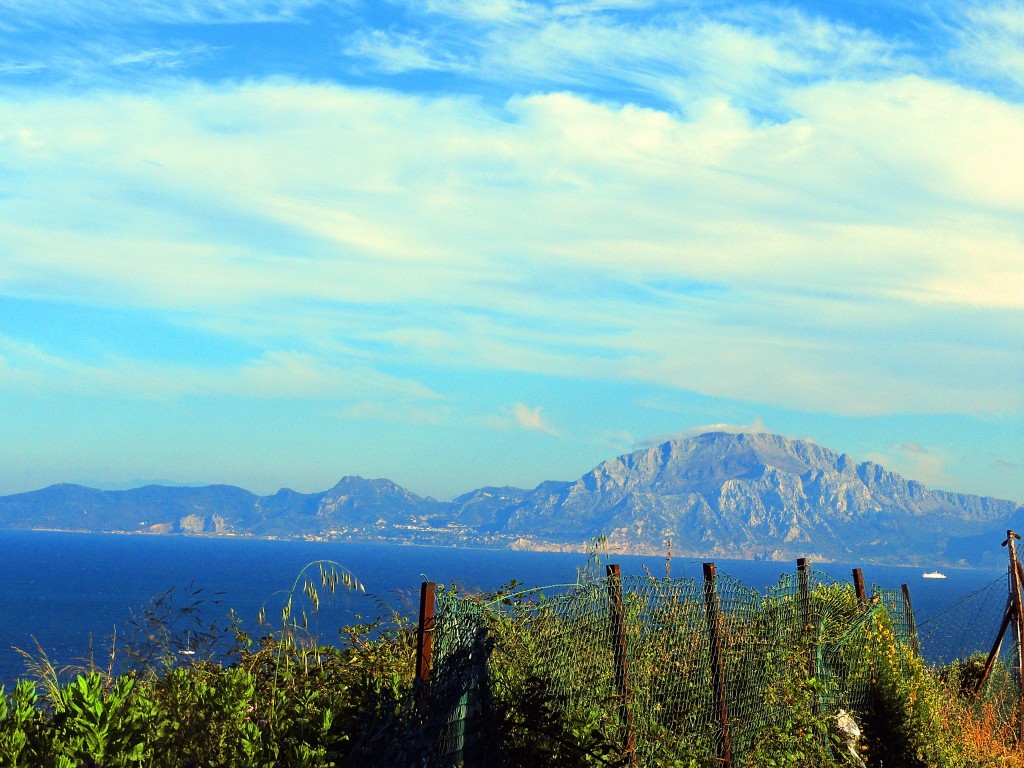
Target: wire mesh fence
(649, 671)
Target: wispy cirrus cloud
(678, 56)
(397, 52)
(547, 236)
(990, 42)
(161, 58)
(111, 43)
(66, 12)
(16, 67)
(914, 461)
(278, 374)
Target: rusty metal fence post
(911, 622)
(1018, 624)
(713, 613)
(803, 591)
(424, 641)
(809, 633)
(1012, 614)
(619, 649)
(858, 587)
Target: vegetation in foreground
(283, 702)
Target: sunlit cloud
(274, 375)
(28, 12)
(393, 52)
(917, 462)
(537, 239)
(755, 427)
(777, 207)
(520, 417)
(991, 42)
(679, 55)
(531, 419)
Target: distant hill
(754, 495)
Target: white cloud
(479, 10)
(679, 55)
(990, 39)
(593, 6)
(757, 426)
(917, 462)
(13, 67)
(850, 259)
(393, 52)
(273, 375)
(162, 58)
(519, 416)
(28, 12)
(531, 419)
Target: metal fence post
(803, 589)
(858, 586)
(424, 640)
(1018, 624)
(911, 622)
(622, 687)
(808, 632)
(713, 613)
(1012, 613)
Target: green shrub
(543, 695)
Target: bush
(537, 696)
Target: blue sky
(496, 242)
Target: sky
(272, 243)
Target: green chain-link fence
(647, 671)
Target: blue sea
(66, 593)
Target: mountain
(153, 508)
(353, 507)
(754, 495)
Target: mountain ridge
(747, 495)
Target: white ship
(933, 575)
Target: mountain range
(750, 495)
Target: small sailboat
(933, 575)
(187, 650)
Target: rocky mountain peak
(377, 489)
(749, 494)
(708, 460)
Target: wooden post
(713, 612)
(911, 623)
(858, 586)
(622, 687)
(425, 638)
